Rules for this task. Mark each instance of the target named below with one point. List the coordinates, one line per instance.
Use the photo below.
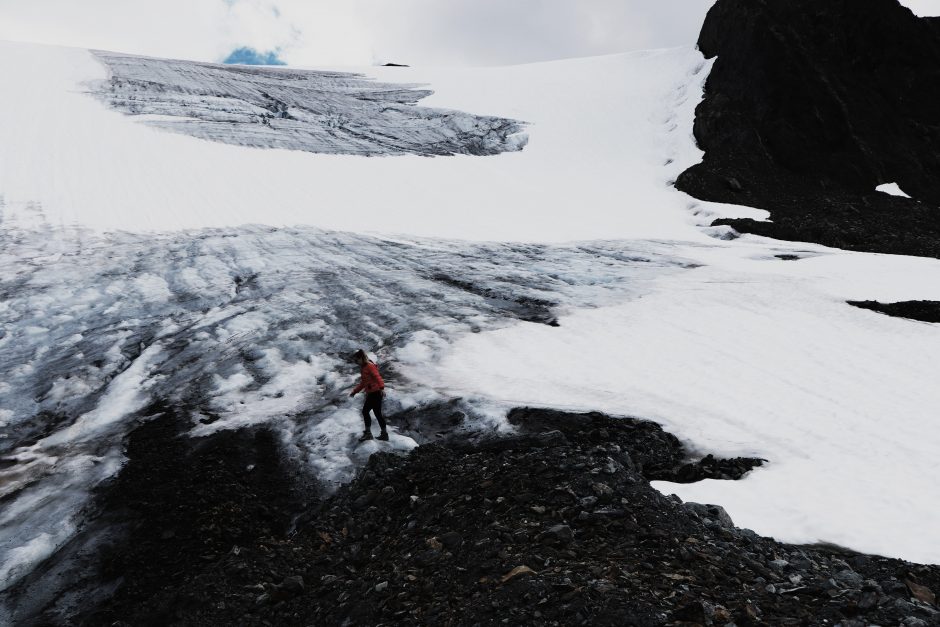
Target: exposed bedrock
(554, 525)
(809, 107)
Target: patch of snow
(892, 189)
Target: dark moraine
(811, 105)
(557, 525)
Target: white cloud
(469, 32)
(358, 32)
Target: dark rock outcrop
(811, 105)
(922, 310)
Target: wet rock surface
(556, 525)
(922, 310)
(812, 105)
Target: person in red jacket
(374, 387)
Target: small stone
(721, 615)
(859, 561)
(779, 565)
(558, 535)
(517, 571)
(435, 544)
(362, 502)
(451, 540)
(692, 612)
(711, 514)
(849, 578)
(894, 587)
(293, 585)
(379, 587)
(921, 593)
(868, 600)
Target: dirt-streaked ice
(271, 107)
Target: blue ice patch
(250, 56)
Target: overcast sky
(362, 32)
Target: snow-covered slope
(128, 275)
(758, 358)
(603, 128)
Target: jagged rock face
(840, 91)
(820, 102)
(312, 111)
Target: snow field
(603, 128)
(756, 357)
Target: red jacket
(371, 379)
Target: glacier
(242, 326)
(225, 258)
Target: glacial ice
(312, 111)
(242, 326)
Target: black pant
(373, 403)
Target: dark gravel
(556, 525)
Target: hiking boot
(366, 436)
(384, 436)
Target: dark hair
(360, 355)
